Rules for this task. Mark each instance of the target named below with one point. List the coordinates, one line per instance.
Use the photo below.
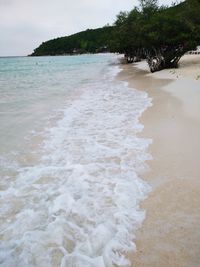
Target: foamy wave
(80, 206)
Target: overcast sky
(24, 24)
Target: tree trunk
(163, 58)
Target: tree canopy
(154, 26)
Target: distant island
(159, 34)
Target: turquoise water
(70, 162)
(31, 89)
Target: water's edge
(78, 203)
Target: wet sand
(170, 234)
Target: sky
(25, 24)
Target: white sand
(170, 235)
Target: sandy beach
(170, 234)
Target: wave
(80, 205)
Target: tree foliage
(153, 26)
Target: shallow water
(70, 162)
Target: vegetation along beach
(99, 144)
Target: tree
(161, 34)
(148, 4)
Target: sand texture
(170, 235)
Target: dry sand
(170, 234)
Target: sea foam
(79, 207)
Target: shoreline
(170, 235)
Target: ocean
(70, 162)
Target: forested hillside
(89, 41)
